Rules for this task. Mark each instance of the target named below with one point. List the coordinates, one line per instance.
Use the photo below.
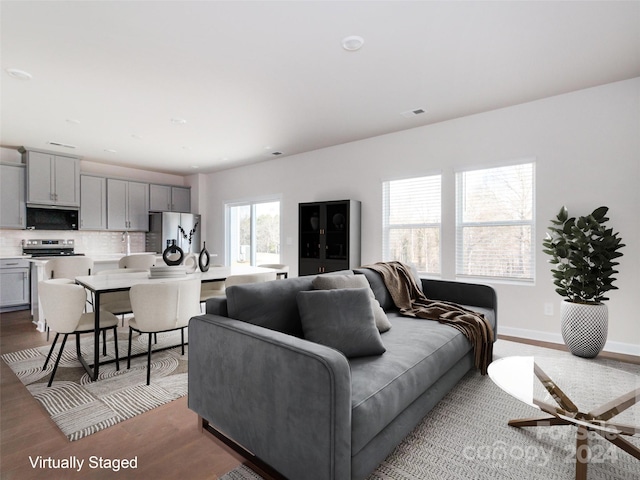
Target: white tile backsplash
(87, 242)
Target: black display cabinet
(329, 236)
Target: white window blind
(495, 222)
(411, 222)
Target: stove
(48, 248)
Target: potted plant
(583, 253)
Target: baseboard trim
(613, 347)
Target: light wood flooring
(166, 440)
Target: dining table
(120, 282)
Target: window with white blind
(411, 222)
(253, 232)
(495, 222)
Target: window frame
(388, 227)
(460, 225)
(252, 203)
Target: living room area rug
(80, 407)
(466, 435)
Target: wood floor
(166, 440)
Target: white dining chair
(162, 307)
(283, 270)
(68, 267)
(63, 304)
(117, 303)
(138, 260)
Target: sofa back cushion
(380, 289)
(271, 305)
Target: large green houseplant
(583, 254)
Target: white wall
(586, 145)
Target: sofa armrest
(471, 294)
(286, 400)
(216, 306)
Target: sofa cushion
(269, 304)
(418, 353)
(341, 319)
(328, 282)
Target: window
(253, 233)
(411, 222)
(495, 222)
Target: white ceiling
(252, 78)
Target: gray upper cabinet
(12, 197)
(93, 203)
(127, 205)
(165, 198)
(52, 179)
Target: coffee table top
(580, 391)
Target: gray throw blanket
(412, 302)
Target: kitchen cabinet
(93, 203)
(12, 196)
(166, 198)
(52, 179)
(329, 236)
(127, 205)
(14, 284)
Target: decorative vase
(190, 262)
(204, 258)
(315, 221)
(584, 327)
(173, 254)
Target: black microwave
(39, 218)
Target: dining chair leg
(182, 338)
(55, 366)
(129, 350)
(115, 346)
(149, 362)
(104, 342)
(44, 367)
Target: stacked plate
(168, 271)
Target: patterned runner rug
(80, 407)
(466, 436)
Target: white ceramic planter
(584, 328)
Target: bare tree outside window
(411, 222)
(495, 222)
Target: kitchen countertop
(97, 258)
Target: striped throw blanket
(412, 302)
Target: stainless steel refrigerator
(164, 227)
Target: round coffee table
(557, 385)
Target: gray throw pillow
(329, 282)
(340, 319)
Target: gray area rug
(466, 435)
(81, 407)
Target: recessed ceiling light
(178, 121)
(352, 43)
(19, 74)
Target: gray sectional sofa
(306, 409)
